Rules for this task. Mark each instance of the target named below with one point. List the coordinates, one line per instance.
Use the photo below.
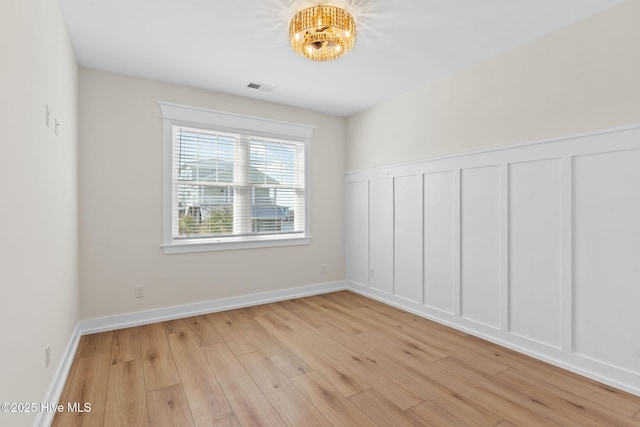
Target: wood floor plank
(458, 403)
(380, 359)
(126, 403)
(387, 310)
(203, 330)
(253, 311)
(356, 363)
(95, 344)
(409, 346)
(330, 402)
(275, 309)
(436, 415)
(380, 323)
(602, 394)
(517, 410)
(157, 361)
(482, 356)
(333, 316)
(175, 326)
(346, 312)
(332, 359)
(433, 383)
(168, 407)
(207, 401)
(337, 374)
(346, 299)
(231, 334)
(249, 405)
(466, 410)
(381, 410)
(287, 400)
(405, 355)
(395, 327)
(383, 320)
(547, 408)
(125, 345)
(89, 385)
(485, 359)
(581, 409)
(302, 312)
(287, 361)
(279, 309)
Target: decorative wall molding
(534, 247)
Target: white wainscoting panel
(381, 242)
(408, 237)
(535, 247)
(535, 250)
(440, 246)
(607, 257)
(480, 218)
(357, 232)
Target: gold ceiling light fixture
(322, 33)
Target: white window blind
(228, 186)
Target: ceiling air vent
(260, 86)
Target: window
(233, 182)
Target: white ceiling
(222, 45)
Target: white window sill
(227, 244)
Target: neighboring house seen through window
(234, 181)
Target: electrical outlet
(57, 125)
(323, 269)
(139, 291)
(47, 357)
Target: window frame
(201, 118)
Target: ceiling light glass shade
(322, 33)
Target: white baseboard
(597, 371)
(90, 326)
(103, 324)
(45, 418)
(127, 320)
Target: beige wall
(121, 203)
(38, 213)
(580, 78)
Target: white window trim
(182, 115)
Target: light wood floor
(337, 359)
